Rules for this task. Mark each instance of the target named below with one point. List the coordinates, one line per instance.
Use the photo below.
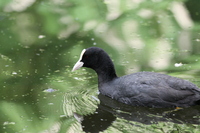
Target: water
(40, 94)
(64, 101)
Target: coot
(138, 89)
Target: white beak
(79, 64)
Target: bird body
(138, 89)
(152, 90)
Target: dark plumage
(139, 89)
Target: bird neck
(106, 73)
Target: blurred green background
(41, 40)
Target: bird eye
(86, 56)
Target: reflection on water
(80, 101)
(94, 116)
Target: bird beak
(79, 64)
